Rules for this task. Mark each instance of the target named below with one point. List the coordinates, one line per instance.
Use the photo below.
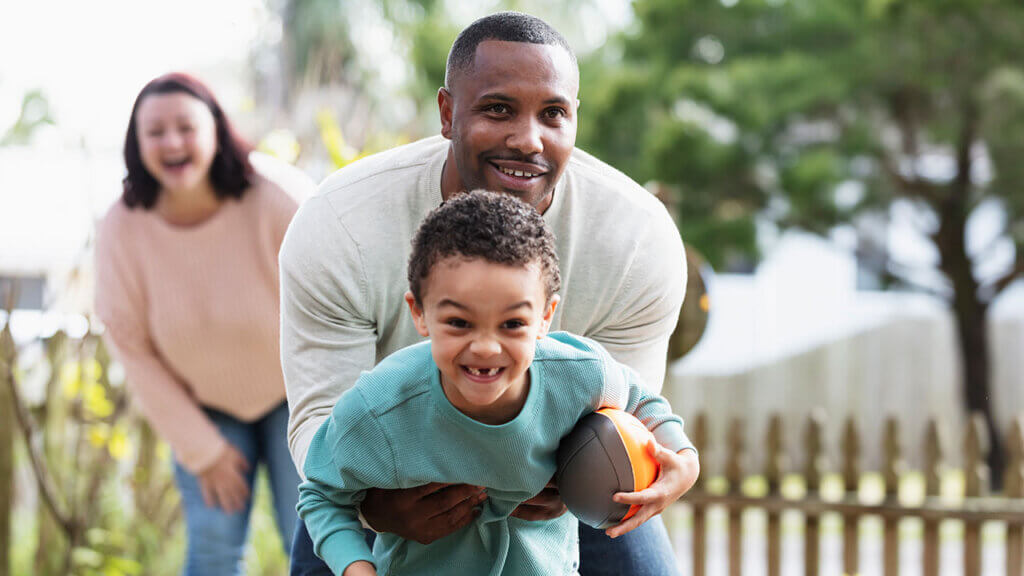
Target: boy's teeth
(478, 372)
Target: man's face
(511, 117)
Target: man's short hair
(504, 27)
(491, 226)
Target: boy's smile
(483, 320)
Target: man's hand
(677, 475)
(425, 513)
(223, 484)
(544, 506)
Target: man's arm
(327, 340)
(650, 302)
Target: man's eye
(554, 113)
(498, 108)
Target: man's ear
(417, 315)
(445, 105)
(549, 315)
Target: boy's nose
(485, 347)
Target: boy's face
(483, 320)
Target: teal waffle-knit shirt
(397, 429)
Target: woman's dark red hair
(230, 172)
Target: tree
(820, 113)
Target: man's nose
(526, 136)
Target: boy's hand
(360, 568)
(423, 514)
(677, 475)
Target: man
(508, 123)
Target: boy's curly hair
(495, 227)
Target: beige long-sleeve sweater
(193, 312)
(344, 259)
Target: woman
(187, 286)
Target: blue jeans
(645, 551)
(304, 561)
(216, 540)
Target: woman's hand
(677, 475)
(223, 484)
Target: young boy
(484, 402)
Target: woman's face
(177, 140)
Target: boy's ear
(417, 315)
(549, 315)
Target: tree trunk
(971, 320)
(972, 325)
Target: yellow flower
(71, 379)
(119, 446)
(96, 402)
(98, 434)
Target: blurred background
(846, 175)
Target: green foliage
(813, 93)
(320, 49)
(117, 510)
(35, 113)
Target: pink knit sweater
(193, 314)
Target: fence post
(700, 440)
(933, 488)
(774, 466)
(851, 486)
(734, 473)
(893, 470)
(6, 446)
(1013, 483)
(813, 470)
(976, 472)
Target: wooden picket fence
(973, 510)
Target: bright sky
(90, 59)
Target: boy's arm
(671, 448)
(650, 408)
(348, 454)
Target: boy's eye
(513, 324)
(457, 323)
